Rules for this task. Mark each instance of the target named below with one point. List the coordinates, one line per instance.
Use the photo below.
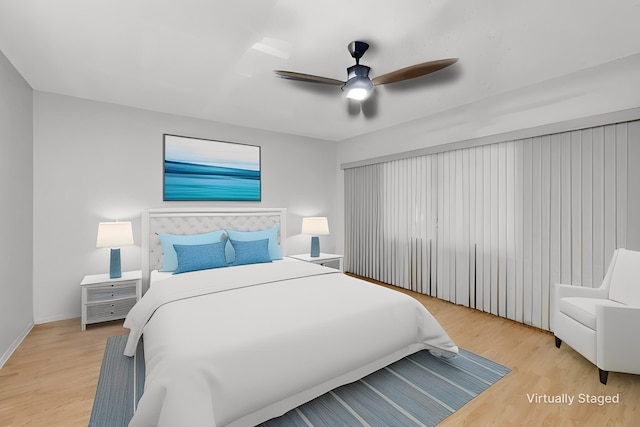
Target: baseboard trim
(15, 344)
(49, 319)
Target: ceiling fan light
(358, 88)
(358, 94)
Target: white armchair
(603, 324)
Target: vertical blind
(493, 227)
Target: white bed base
(195, 220)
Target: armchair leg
(558, 342)
(603, 376)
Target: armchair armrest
(563, 291)
(618, 348)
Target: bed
(239, 344)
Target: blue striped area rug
(120, 384)
(418, 390)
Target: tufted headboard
(201, 220)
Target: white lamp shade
(315, 226)
(114, 234)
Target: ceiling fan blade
(413, 71)
(307, 78)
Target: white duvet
(237, 346)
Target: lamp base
(315, 246)
(115, 270)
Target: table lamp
(315, 226)
(114, 235)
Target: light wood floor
(51, 378)
(537, 367)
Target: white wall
(95, 161)
(16, 193)
(606, 88)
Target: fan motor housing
(358, 70)
(357, 49)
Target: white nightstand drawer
(105, 298)
(114, 291)
(101, 312)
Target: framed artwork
(204, 169)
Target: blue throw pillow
(200, 257)
(169, 257)
(254, 252)
(275, 251)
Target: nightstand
(105, 299)
(322, 259)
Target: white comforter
(239, 345)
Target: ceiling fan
(359, 85)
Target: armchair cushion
(564, 291)
(583, 310)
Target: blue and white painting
(202, 169)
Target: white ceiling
(214, 59)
